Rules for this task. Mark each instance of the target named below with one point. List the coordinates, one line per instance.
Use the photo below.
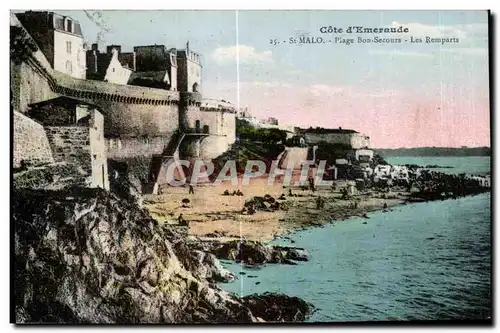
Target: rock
(100, 258)
(278, 308)
(255, 253)
(246, 251)
(266, 203)
(297, 254)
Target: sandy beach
(213, 215)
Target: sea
(421, 261)
(479, 165)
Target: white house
(399, 172)
(382, 170)
(364, 155)
(116, 73)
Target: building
(382, 171)
(400, 172)
(271, 121)
(348, 138)
(159, 113)
(155, 67)
(75, 131)
(364, 155)
(189, 70)
(109, 66)
(60, 39)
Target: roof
(152, 76)
(63, 101)
(211, 102)
(31, 19)
(329, 130)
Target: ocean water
(423, 261)
(466, 164)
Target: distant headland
(435, 151)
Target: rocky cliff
(87, 256)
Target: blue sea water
(423, 261)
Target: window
(69, 67)
(68, 26)
(113, 70)
(68, 47)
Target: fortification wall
(121, 148)
(137, 120)
(30, 80)
(128, 110)
(30, 142)
(213, 146)
(28, 86)
(71, 144)
(222, 127)
(143, 119)
(189, 103)
(133, 112)
(118, 92)
(353, 140)
(229, 126)
(293, 158)
(98, 151)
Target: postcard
(250, 166)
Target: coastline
(213, 216)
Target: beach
(213, 215)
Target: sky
(401, 95)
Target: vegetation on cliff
(252, 144)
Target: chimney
(92, 60)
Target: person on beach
(320, 203)
(311, 184)
(191, 189)
(182, 222)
